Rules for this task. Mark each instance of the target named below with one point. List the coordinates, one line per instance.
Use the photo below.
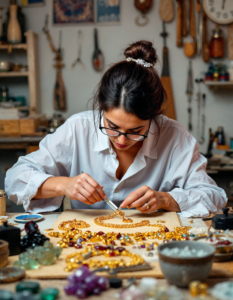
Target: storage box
(29, 125)
(9, 128)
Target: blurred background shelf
(14, 74)
(10, 47)
(219, 84)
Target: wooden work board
(56, 271)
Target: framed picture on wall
(66, 12)
(108, 12)
(32, 2)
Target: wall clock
(219, 11)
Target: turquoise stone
(57, 251)
(47, 244)
(49, 294)
(6, 295)
(47, 258)
(184, 235)
(126, 237)
(33, 264)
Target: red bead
(111, 253)
(119, 236)
(187, 239)
(99, 247)
(123, 244)
(100, 233)
(71, 244)
(120, 249)
(113, 243)
(166, 229)
(72, 229)
(225, 243)
(78, 246)
(107, 247)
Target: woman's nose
(122, 139)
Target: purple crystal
(81, 273)
(91, 281)
(81, 293)
(96, 291)
(102, 283)
(71, 289)
(143, 246)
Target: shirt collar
(148, 148)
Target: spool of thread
(2, 203)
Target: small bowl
(181, 271)
(220, 248)
(5, 66)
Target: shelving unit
(31, 48)
(219, 84)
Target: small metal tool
(111, 204)
(78, 60)
(124, 269)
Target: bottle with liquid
(217, 43)
(14, 34)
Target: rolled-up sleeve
(196, 193)
(53, 158)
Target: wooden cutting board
(56, 271)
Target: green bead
(57, 251)
(192, 235)
(6, 295)
(47, 258)
(49, 294)
(17, 264)
(33, 264)
(30, 286)
(24, 256)
(47, 244)
(39, 249)
(32, 254)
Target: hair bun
(143, 50)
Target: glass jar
(217, 44)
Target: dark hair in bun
(136, 88)
(143, 50)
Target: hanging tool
(184, 18)
(198, 81)
(169, 107)
(98, 58)
(78, 60)
(59, 94)
(199, 28)
(202, 139)
(189, 42)
(179, 41)
(205, 47)
(189, 93)
(143, 6)
(192, 20)
(166, 10)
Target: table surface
(50, 218)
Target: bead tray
(56, 271)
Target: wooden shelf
(219, 84)
(14, 74)
(17, 107)
(16, 46)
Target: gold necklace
(74, 260)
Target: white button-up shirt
(173, 165)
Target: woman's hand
(147, 200)
(83, 188)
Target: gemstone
(166, 229)
(100, 233)
(96, 291)
(57, 251)
(30, 286)
(79, 240)
(113, 243)
(123, 244)
(184, 235)
(17, 264)
(71, 289)
(108, 247)
(120, 249)
(111, 253)
(99, 247)
(47, 244)
(192, 235)
(81, 293)
(78, 246)
(33, 264)
(126, 237)
(143, 246)
(49, 294)
(91, 281)
(71, 244)
(81, 273)
(6, 295)
(225, 243)
(72, 229)
(187, 239)
(47, 258)
(24, 256)
(118, 236)
(102, 283)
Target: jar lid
(115, 283)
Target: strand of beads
(73, 224)
(74, 260)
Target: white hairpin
(140, 61)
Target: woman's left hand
(147, 200)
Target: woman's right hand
(83, 188)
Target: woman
(125, 150)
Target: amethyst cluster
(84, 283)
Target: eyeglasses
(130, 136)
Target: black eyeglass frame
(145, 135)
